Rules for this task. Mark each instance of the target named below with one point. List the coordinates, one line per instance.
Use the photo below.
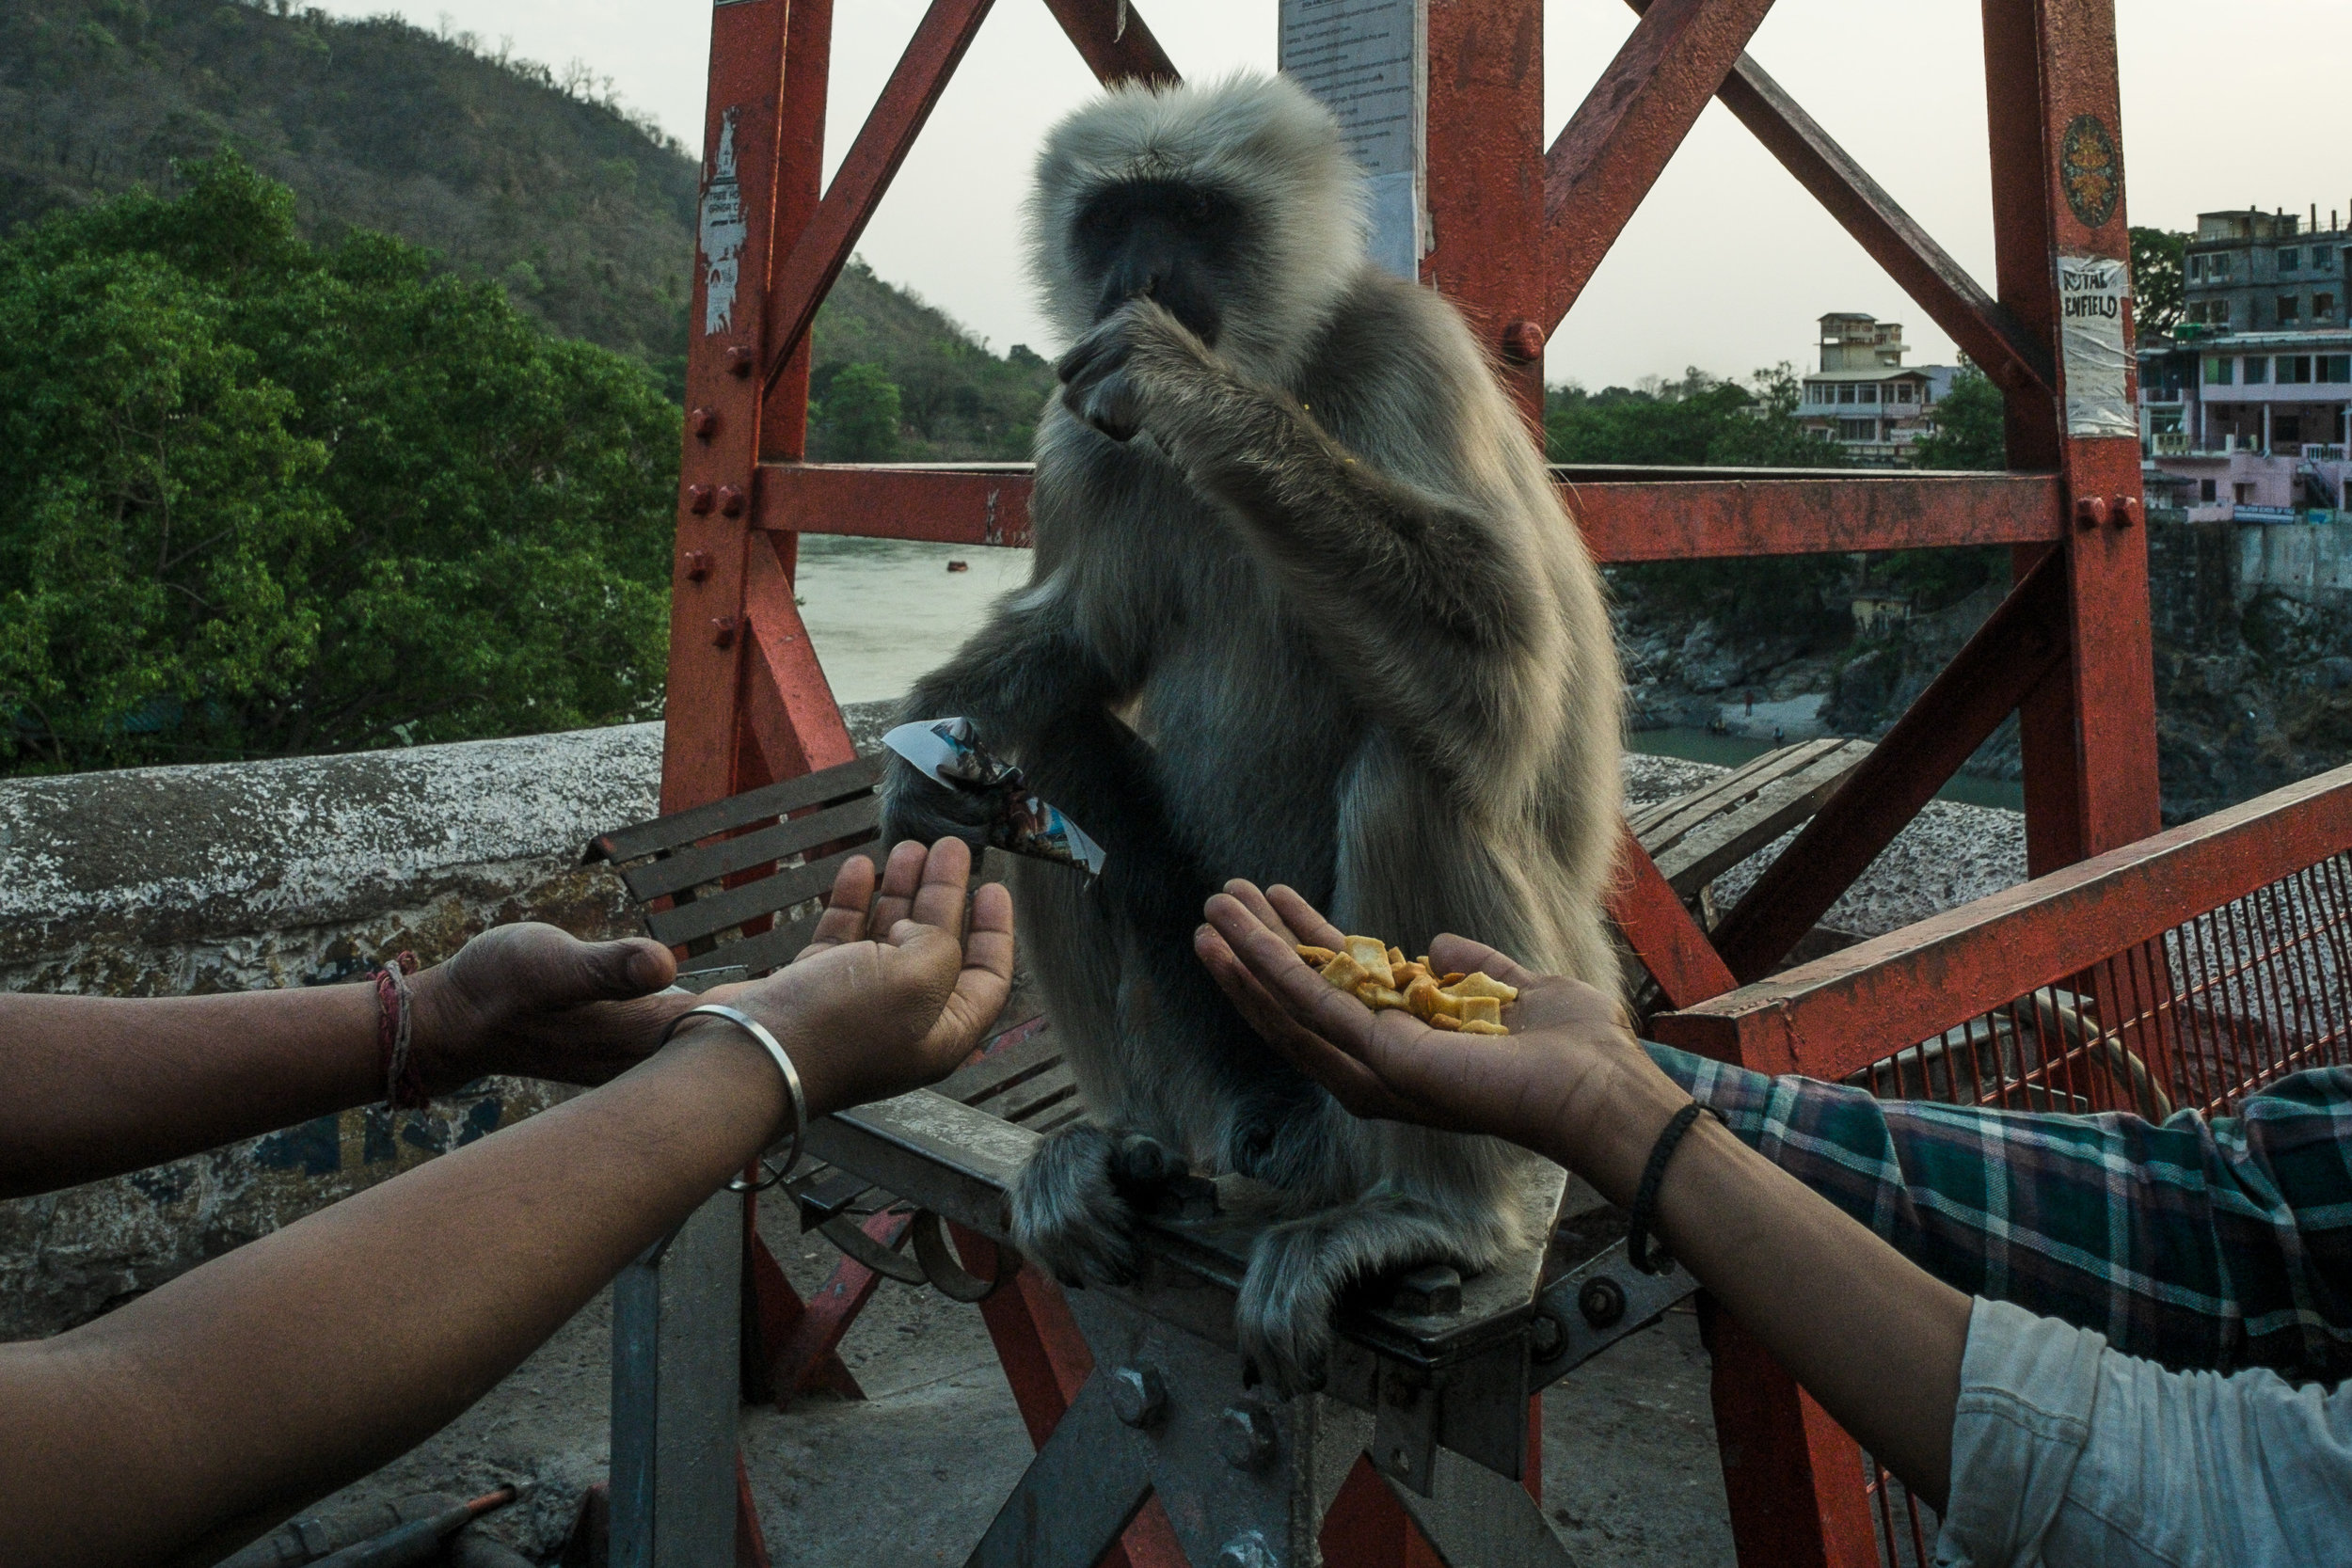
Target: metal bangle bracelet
(792, 1090)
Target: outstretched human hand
(894, 991)
(1568, 1040)
(536, 1001)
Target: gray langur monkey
(1305, 609)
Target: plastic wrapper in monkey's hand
(949, 752)
(1379, 977)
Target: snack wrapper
(948, 752)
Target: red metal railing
(2184, 971)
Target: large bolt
(1434, 1290)
(723, 631)
(1522, 342)
(2091, 512)
(2124, 511)
(704, 422)
(1601, 1301)
(697, 564)
(1138, 1394)
(741, 359)
(700, 499)
(1245, 1435)
(730, 501)
(1248, 1551)
(1547, 1335)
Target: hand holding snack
(1567, 1041)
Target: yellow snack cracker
(1483, 983)
(1380, 977)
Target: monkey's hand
(1118, 370)
(915, 808)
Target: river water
(885, 611)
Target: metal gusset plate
(1594, 1306)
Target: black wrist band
(1637, 1234)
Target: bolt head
(723, 631)
(1602, 1300)
(1434, 1290)
(730, 501)
(700, 499)
(2124, 511)
(704, 422)
(696, 564)
(1245, 1435)
(1522, 342)
(1138, 1395)
(740, 360)
(2091, 512)
(1547, 1335)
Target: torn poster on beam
(1368, 62)
(2091, 292)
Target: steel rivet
(696, 564)
(704, 422)
(1547, 1335)
(730, 501)
(1602, 1300)
(2125, 511)
(740, 360)
(699, 498)
(1245, 1435)
(1522, 342)
(2091, 512)
(1138, 1394)
(723, 631)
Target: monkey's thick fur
(1364, 653)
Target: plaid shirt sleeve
(2196, 1244)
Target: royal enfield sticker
(2089, 170)
(2091, 292)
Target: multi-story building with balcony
(1863, 397)
(2245, 411)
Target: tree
(859, 413)
(1971, 426)
(2156, 267)
(259, 498)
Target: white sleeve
(2067, 1454)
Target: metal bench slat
(1714, 846)
(1661, 827)
(773, 948)
(701, 822)
(1014, 1065)
(858, 819)
(1044, 1091)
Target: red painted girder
(1113, 40)
(2023, 641)
(915, 85)
(788, 709)
(1661, 932)
(1839, 1013)
(1664, 515)
(815, 1340)
(1942, 286)
(1791, 1475)
(1612, 150)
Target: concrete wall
(2311, 562)
(166, 880)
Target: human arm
(274, 1374)
(1874, 1339)
(91, 1087)
(2197, 1243)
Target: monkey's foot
(1074, 1204)
(1298, 1269)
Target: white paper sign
(2091, 292)
(1368, 61)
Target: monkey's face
(1180, 244)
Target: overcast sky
(1724, 267)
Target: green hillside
(507, 169)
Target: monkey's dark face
(1179, 244)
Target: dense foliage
(260, 497)
(2157, 260)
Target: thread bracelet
(404, 1082)
(1644, 1221)
(792, 1090)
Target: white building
(1862, 397)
